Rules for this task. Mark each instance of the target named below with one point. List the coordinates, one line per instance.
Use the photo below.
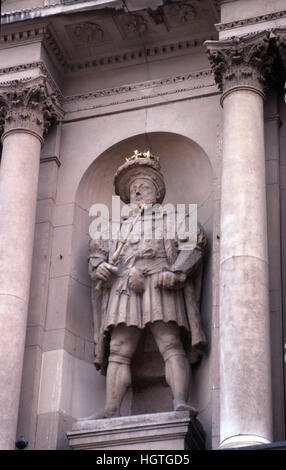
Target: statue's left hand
(168, 280)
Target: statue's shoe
(181, 405)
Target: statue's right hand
(105, 271)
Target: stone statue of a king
(152, 284)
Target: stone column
(26, 112)
(239, 66)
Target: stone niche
(188, 177)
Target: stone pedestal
(158, 431)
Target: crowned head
(139, 180)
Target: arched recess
(188, 177)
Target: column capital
(242, 62)
(280, 37)
(28, 106)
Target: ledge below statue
(155, 431)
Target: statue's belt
(157, 259)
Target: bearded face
(143, 191)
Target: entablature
(82, 38)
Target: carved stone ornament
(88, 33)
(27, 105)
(182, 13)
(136, 24)
(131, 25)
(241, 62)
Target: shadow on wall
(188, 176)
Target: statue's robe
(117, 303)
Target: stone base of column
(243, 440)
(158, 431)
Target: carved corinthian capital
(241, 62)
(28, 106)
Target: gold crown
(142, 155)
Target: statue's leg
(123, 343)
(177, 367)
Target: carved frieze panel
(177, 16)
(87, 33)
(130, 25)
(182, 13)
(194, 14)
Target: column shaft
(245, 369)
(18, 194)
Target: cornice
(250, 21)
(73, 6)
(54, 49)
(45, 34)
(34, 33)
(56, 8)
(25, 13)
(151, 53)
(29, 33)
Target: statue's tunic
(154, 303)
(145, 258)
